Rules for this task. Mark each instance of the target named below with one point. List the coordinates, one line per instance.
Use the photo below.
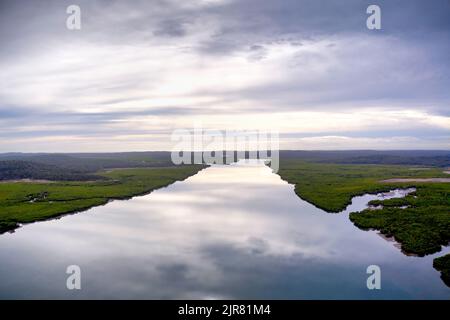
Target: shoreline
(9, 226)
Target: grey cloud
(257, 52)
(404, 65)
(171, 28)
(240, 21)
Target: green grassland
(331, 186)
(28, 202)
(421, 227)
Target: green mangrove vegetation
(420, 222)
(442, 264)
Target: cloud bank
(137, 70)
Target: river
(230, 232)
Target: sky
(308, 69)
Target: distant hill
(92, 162)
(82, 166)
(17, 169)
(437, 158)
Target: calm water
(234, 231)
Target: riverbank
(419, 222)
(442, 264)
(29, 202)
(331, 187)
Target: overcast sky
(137, 70)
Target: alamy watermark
(374, 280)
(373, 22)
(199, 146)
(73, 281)
(73, 21)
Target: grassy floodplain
(420, 222)
(28, 202)
(331, 186)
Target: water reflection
(234, 231)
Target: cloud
(143, 67)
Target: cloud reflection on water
(228, 232)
